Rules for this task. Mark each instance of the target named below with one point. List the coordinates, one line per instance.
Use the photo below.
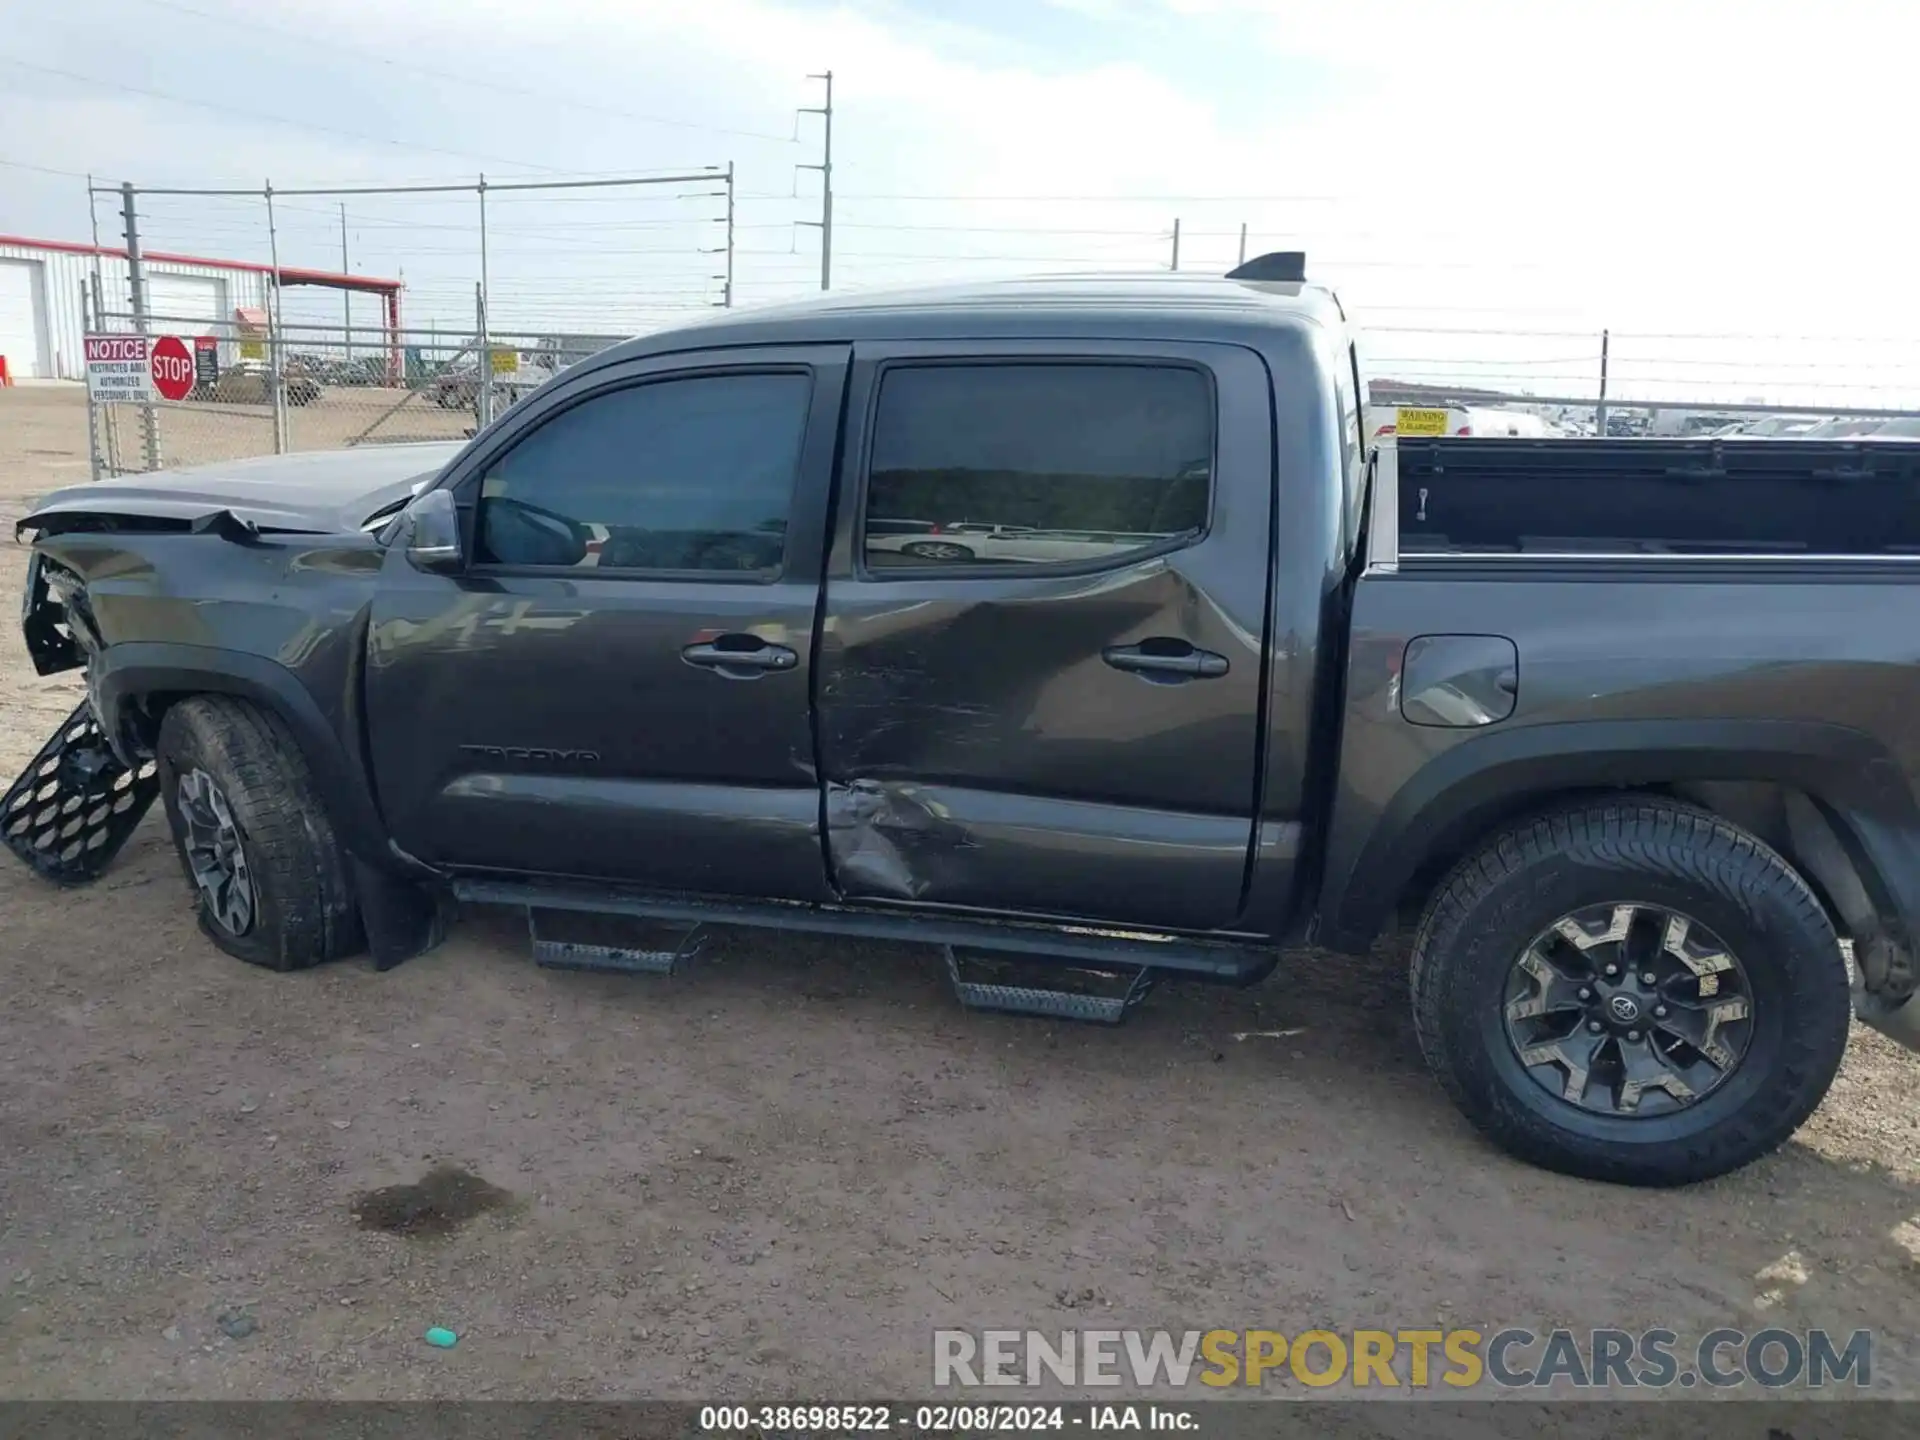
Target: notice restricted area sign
(119, 368)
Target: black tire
(300, 901)
(1656, 853)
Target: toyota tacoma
(1071, 626)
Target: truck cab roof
(1173, 306)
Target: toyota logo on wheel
(1624, 1008)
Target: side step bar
(1098, 949)
(1103, 997)
(554, 952)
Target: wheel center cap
(1623, 1009)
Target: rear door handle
(740, 657)
(1165, 665)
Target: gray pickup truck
(1068, 626)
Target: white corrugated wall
(62, 276)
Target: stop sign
(172, 366)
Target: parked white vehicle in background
(1771, 427)
(1522, 423)
(1906, 427)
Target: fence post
(346, 296)
(484, 393)
(275, 369)
(1600, 410)
(110, 414)
(93, 410)
(137, 297)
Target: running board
(1224, 962)
(991, 982)
(598, 952)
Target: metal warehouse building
(43, 282)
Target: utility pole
(137, 298)
(1176, 245)
(825, 167)
(1600, 410)
(726, 295)
(346, 296)
(1243, 242)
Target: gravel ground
(777, 1173)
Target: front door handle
(740, 657)
(1166, 662)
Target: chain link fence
(332, 388)
(499, 279)
(494, 289)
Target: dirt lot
(777, 1173)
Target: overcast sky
(1670, 169)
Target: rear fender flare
(124, 674)
(1859, 787)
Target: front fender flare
(123, 674)
(1851, 775)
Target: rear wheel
(1635, 992)
(269, 878)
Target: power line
(1469, 330)
(218, 109)
(549, 96)
(1108, 199)
(1159, 234)
(44, 169)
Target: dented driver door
(613, 682)
(1039, 678)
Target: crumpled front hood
(323, 493)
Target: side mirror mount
(433, 533)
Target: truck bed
(1798, 498)
(1732, 623)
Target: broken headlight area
(54, 617)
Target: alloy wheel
(215, 853)
(1628, 1010)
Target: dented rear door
(1039, 678)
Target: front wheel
(269, 879)
(1636, 992)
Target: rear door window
(984, 466)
